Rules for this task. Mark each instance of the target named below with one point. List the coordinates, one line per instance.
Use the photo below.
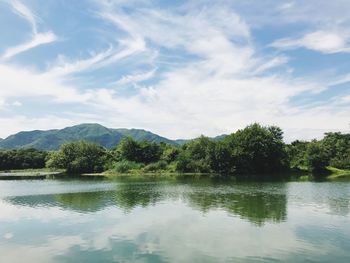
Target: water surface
(173, 221)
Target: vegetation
(53, 139)
(255, 150)
(316, 156)
(22, 159)
(79, 157)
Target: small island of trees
(255, 150)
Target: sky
(177, 68)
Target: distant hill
(53, 139)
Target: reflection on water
(174, 221)
(246, 201)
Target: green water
(173, 221)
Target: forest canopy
(254, 150)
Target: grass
(32, 170)
(300, 175)
(337, 173)
(156, 174)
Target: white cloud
(322, 41)
(217, 88)
(37, 40)
(2, 103)
(128, 47)
(135, 78)
(272, 63)
(287, 5)
(33, 84)
(37, 37)
(16, 123)
(26, 13)
(17, 103)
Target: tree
(296, 152)
(316, 158)
(22, 159)
(170, 153)
(221, 159)
(194, 156)
(258, 150)
(79, 157)
(140, 152)
(337, 149)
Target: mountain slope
(93, 132)
(52, 139)
(142, 135)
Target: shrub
(126, 166)
(79, 157)
(158, 166)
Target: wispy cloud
(270, 64)
(26, 13)
(205, 70)
(322, 41)
(37, 37)
(135, 78)
(37, 40)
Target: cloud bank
(179, 70)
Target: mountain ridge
(53, 138)
(107, 137)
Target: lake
(173, 221)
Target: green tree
(258, 150)
(337, 149)
(22, 159)
(140, 152)
(79, 157)
(316, 157)
(296, 153)
(221, 159)
(194, 157)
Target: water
(173, 221)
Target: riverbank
(334, 174)
(45, 173)
(337, 173)
(29, 174)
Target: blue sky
(176, 68)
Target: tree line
(254, 150)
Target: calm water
(173, 221)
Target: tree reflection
(84, 201)
(256, 203)
(257, 207)
(128, 196)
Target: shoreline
(293, 175)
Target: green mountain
(52, 139)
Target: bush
(126, 166)
(79, 157)
(185, 164)
(22, 159)
(153, 167)
(140, 152)
(170, 153)
(316, 158)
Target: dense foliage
(333, 150)
(79, 157)
(22, 159)
(254, 150)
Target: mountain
(53, 139)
